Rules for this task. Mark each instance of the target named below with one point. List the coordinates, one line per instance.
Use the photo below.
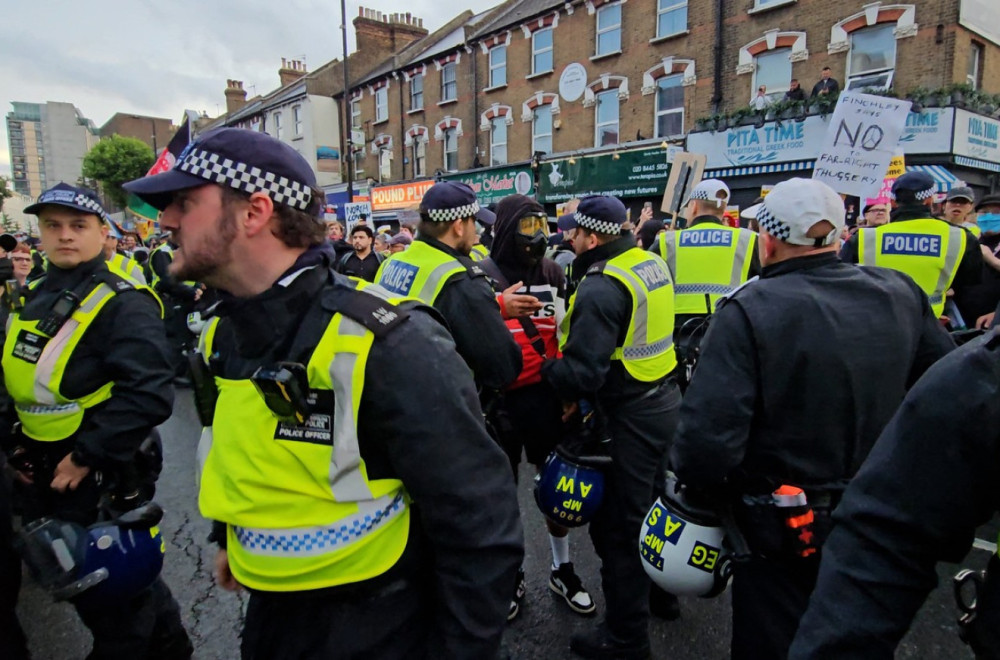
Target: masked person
(437, 270)
(617, 351)
(529, 414)
(777, 418)
(86, 365)
(358, 496)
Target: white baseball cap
(709, 191)
(795, 206)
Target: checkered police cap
(604, 215)
(447, 201)
(248, 161)
(711, 190)
(919, 184)
(63, 194)
(795, 206)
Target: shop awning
(945, 180)
(977, 164)
(750, 170)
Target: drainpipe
(717, 91)
(402, 132)
(475, 106)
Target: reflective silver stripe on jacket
(648, 350)
(313, 541)
(670, 253)
(951, 259)
(740, 258)
(869, 241)
(57, 409)
(433, 280)
(54, 348)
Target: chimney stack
(381, 35)
(236, 96)
(290, 71)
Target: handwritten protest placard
(860, 143)
(354, 212)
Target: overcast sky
(160, 58)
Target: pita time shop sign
(399, 196)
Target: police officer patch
(29, 346)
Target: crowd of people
(367, 398)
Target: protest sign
(860, 143)
(353, 213)
(685, 173)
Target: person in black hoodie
(530, 412)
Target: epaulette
(596, 269)
(472, 268)
(367, 308)
(117, 283)
(732, 294)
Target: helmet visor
(529, 225)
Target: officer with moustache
(86, 366)
(357, 494)
(617, 351)
(437, 270)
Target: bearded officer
(617, 350)
(437, 270)
(777, 414)
(937, 255)
(363, 504)
(85, 363)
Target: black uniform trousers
(641, 432)
(391, 622)
(147, 626)
(769, 598)
(13, 644)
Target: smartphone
(647, 205)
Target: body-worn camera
(285, 389)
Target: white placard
(353, 213)
(860, 143)
(572, 82)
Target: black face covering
(530, 250)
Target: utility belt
(788, 523)
(978, 596)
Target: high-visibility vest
(129, 265)
(300, 509)
(648, 351)
(928, 250)
(421, 272)
(479, 252)
(34, 363)
(706, 260)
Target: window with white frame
(419, 149)
(451, 149)
(417, 91)
(975, 64)
(541, 129)
(359, 160)
(671, 17)
(670, 106)
(498, 66)
(297, 119)
(381, 103)
(606, 124)
(449, 83)
(773, 70)
(609, 30)
(384, 164)
(498, 141)
(872, 59)
(541, 51)
(355, 113)
(277, 125)
(761, 4)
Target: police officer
(437, 270)
(362, 503)
(85, 364)
(709, 259)
(617, 350)
(179, 299)
(776, 406)
(932, 478)
(938, 256)
(120, 260)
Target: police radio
(285, 390)
(60, 312)
(14, 300)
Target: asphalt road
(213, 617)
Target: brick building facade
(488, 86)
(154, 131)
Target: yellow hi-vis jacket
(706, 260)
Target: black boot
(598, 645)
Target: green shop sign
(494, 184)
(636, 173)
